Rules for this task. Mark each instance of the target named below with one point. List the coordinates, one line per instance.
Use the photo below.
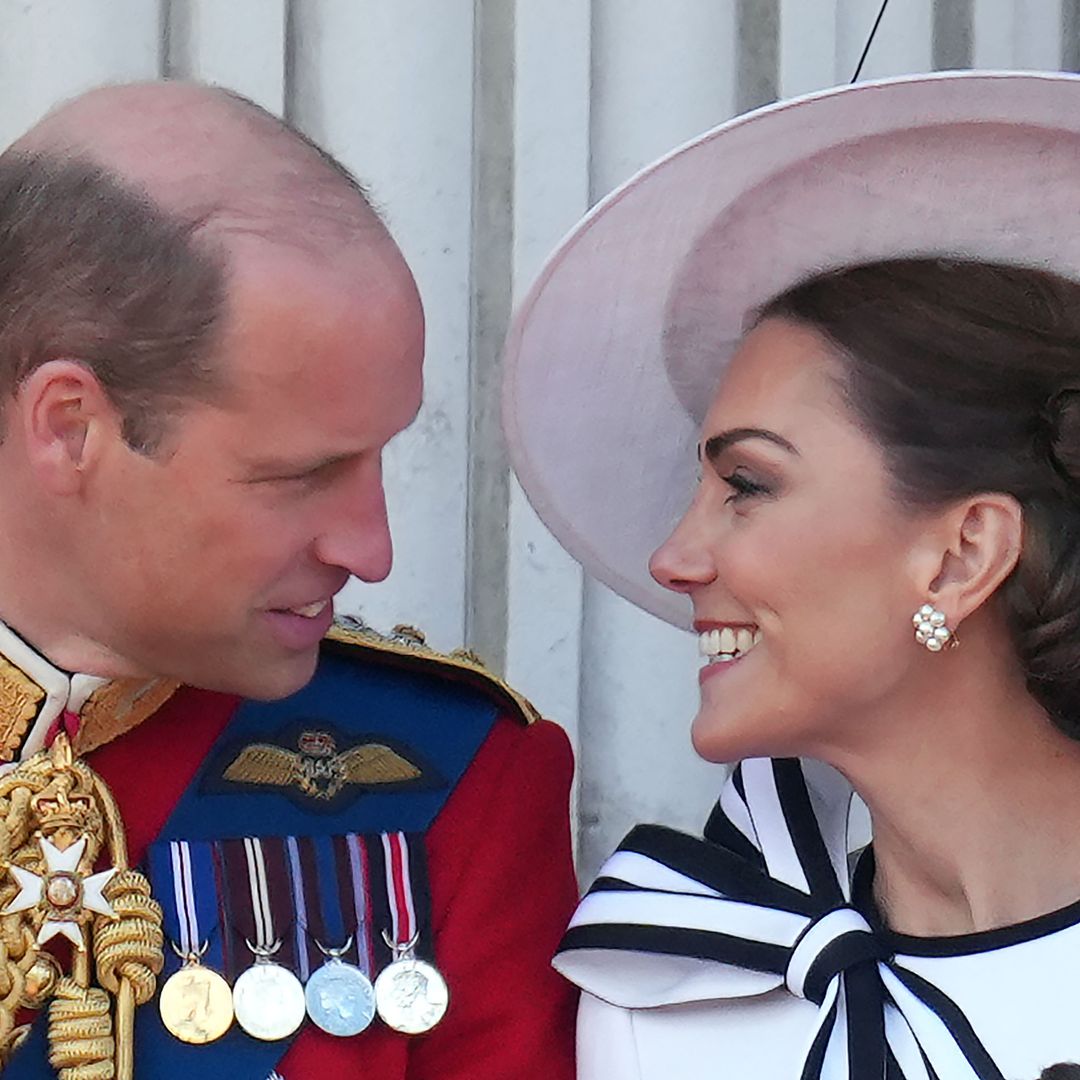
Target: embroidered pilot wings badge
(317, 770)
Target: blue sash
(323, 780)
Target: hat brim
(614, 353)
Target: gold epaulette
(405, 646)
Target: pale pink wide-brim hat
(614, 354)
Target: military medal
(196, 1004)
(268, 998)
(411, 995)
(332, 902)
(339, 996)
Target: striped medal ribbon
(330, 876)
(268, 997)
(410, 994)
(196, 1004)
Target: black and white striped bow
(765, 899)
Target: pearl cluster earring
(930, 628)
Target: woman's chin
(722, 738)
(732, 734)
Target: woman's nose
(683, 560)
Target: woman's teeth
(309, 611)
(727, 644)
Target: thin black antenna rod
(869, 41)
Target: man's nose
(357, 535)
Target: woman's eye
(743, 487)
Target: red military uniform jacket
(501, 885)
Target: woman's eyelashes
(743, 486)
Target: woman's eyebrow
(715, 445)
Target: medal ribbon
(262, 913)
(331, 898)
(331, 895)
(259, 896)
(184, 876)
(399, 888)
(360, 873)
(300, 906)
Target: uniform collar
(35, 694)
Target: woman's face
(797, 558)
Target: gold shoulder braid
(409, 644)
(58, 820)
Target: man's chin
(264, 679)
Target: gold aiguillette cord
(57, 820)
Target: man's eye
(743, 487)
(307, 478)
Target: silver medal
(340, 998)
(268, 1000)
(411, 995)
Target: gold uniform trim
(119, 706)
(20, 699)
(409, 643)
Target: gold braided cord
(81, 1045)
(131, 946)
(113, 822)
(58, 798)
(17, 945)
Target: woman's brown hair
(968, 375)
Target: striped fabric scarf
(766, 899)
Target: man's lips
(301, 627)
(308, 611)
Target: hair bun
(1060, 435)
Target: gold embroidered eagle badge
(316, 769)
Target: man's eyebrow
(269, 468)
(715, 445)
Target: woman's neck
(975, 804)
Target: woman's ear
(979, 545)
(63, 412)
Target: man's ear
(65, 416)
(979, 542)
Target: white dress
(754, 953)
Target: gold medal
(196, 1004)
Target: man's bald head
(208, 155)
(117, 216)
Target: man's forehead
(356, 303)
(267, 269)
